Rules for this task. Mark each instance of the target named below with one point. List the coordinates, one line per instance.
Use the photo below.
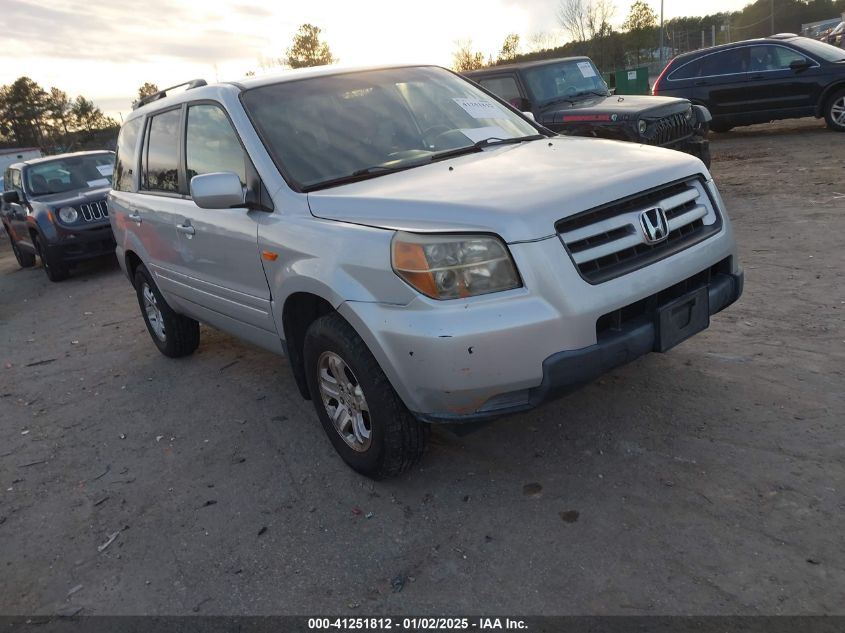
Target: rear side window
(686, 71)
(730, 62)
(505, 88)
(161, 159)
(124, 168)
(212, 144)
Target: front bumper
(75, 246)
(567, 371)
(466, 360)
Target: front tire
(55, 268)
(834, 113)
(367, 423)
(174, 335)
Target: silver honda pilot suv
(419, 250)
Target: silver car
(421, 251)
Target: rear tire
(25, 260)
(55, 268)
(174, 335)
(834, 112)
(375, 434)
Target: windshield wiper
(480, 145)
(378, 170)
(594, 92)
(557, 100)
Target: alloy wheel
(344, 401)
(153, 312)
(837, 111)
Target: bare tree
(572, 17)
(542, 41)
(464, 59)
(599, 13)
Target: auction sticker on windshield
(586, 69)
(480, 109)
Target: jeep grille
(668, 130)
(93, 211)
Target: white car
(421, 251)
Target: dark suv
(756, 81)
(55, 207)
(568, 96)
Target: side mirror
(220, 190)
(799, 64)
(10, 197)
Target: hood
(624, 107)
(72, 198)
(515, 191)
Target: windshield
(564, 80)
(325, 129)
(820, 49)
(71, 173)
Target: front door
(219, 247)
(774, 87)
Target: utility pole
(713, 34)
(661, 34)
(773, 16)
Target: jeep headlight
(642, 127)
(453, 266)
(68, 215)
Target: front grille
(668, 129)
(93, 211)
(609, 241)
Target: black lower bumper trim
(567, 371)
(83, 245)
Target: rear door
(721, 82)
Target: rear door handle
(185, 229)
(135, 217)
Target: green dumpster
(632, 81)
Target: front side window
(127, 142)
(767, 57)
(161, 161)
(70, 173)
(211, 143)
(505, 88)
(730, 62)
(323, 130)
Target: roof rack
(161, 94)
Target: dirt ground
(709, 480)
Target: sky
(105, 50)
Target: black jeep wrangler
(55, 207)
(569, 96)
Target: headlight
(68, 215)
(641, 126)
(453, 266)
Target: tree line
(31, 116)
(586, 24)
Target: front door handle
(135, 217)
(185, 229)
